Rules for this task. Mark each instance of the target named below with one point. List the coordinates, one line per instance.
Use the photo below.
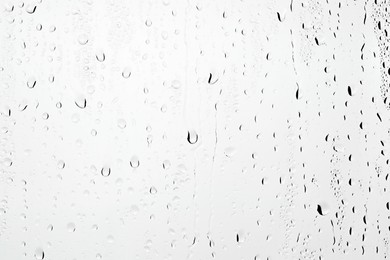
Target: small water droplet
(192, 137)
(176, 84)
(60, 164)
(166, 165)
(121, 123)
(110, 239)
(148, 23)
(31, 82)
(39, 253)
(152, 190)
(323, 208)
(71, 227)
(82, 39)
(106, 171)
(126, 73)
(31, 8)
(93, 132)
(81, 102)
(100, 56)
(134, 162)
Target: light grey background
(181, 129)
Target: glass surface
(194, 129)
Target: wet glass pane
(194, 129)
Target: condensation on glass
(194, 129)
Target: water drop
(100, 56)
(71, 227)
(323, 209)
(134, 162)
(192, 137)
(121, 123)
(81, 102)
(31, 8)
(60, 164)
(31, 82)
(39, 254)
(166, 165)
(82, 39)
(126, 73)
(148, 23)
(106, 171)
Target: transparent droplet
(7, 162)
(153, 190)
(5, 111)
(71, 227)
(82, 39)
(23, 105)
(126, 73)
(51, 78)
(81, 102)
(176, 84)
(106, 171)
(192, 137)
(8, 7)
(110, 239)
(148, 23)
(100, 56)
(323, 208)
(31, 8)
(60, 164)
(134, 210)
(121, 123)
(45, 116)
(50, 227)
(166, 165)
(93, 132)
(31, 82)
(134, 162)
(39, 254)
